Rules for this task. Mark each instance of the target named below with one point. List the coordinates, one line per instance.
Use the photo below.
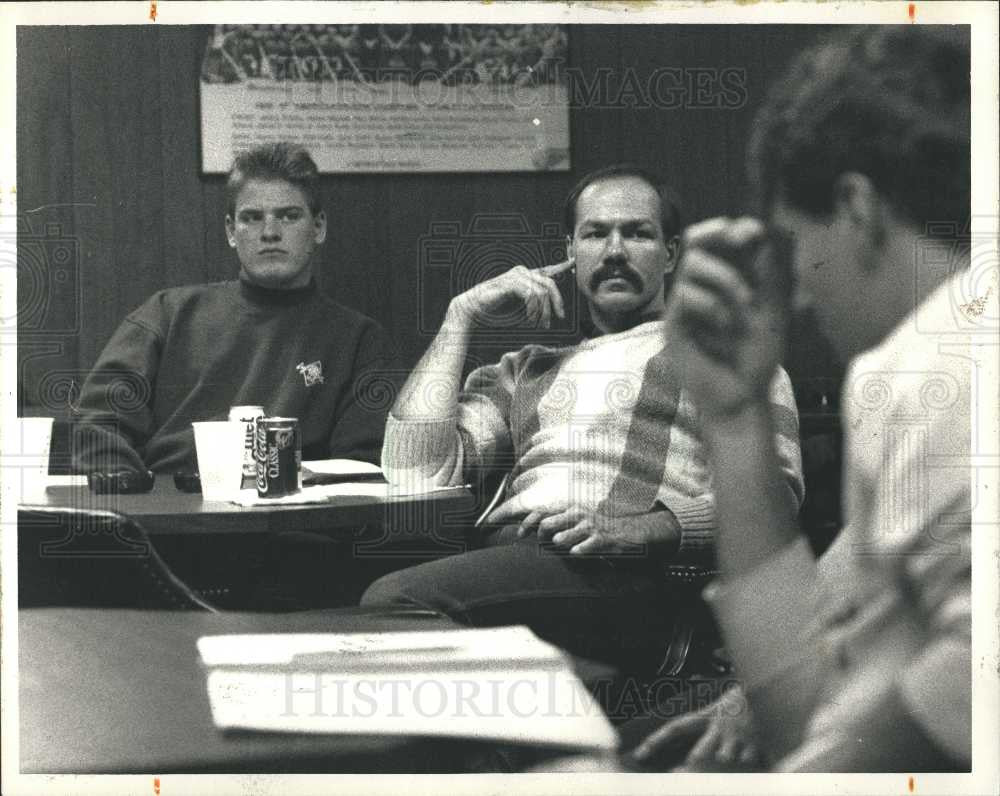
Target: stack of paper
(327, 492)
(498, 683)
(326, 479)
(328, 471)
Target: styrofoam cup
(30, 454)
(219, 444)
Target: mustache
(615, 269)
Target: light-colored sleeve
(768, 619)
(936, 687)
(936, 683)
(911, 420)
(696, 515)
(697, 520)
(445, 452)
(775, 602)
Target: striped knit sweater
(603, 425)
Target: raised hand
(534, 288)
(728, 312)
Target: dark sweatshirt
(190, 353)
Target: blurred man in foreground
(859, 661)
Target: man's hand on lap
(582, 532)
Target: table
(166, 510)
(219, 548)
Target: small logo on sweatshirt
(311, 373)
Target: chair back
(94, 558)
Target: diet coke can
(278, 452)
(248, 416)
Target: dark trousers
(614, 609)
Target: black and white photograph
(500, 397)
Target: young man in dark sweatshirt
(268, 338)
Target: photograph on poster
(370, 98)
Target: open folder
(498, 683)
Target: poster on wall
(389, 98)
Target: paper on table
(498, 683)
(342, 467)
(529, 706)
(507, 645)
(321, 493)
(66, 480)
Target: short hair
(670, 212)
(278, 161)
(889, 102)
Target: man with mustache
(606, 471)
(269, 338)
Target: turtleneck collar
(265, 297)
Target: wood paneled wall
(109, 171)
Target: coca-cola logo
(260, 455)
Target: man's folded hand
(583, 532)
